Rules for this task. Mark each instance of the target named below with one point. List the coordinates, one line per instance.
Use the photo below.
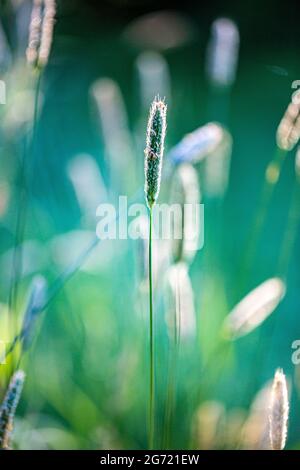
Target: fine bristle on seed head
(279, 410)
(9, 406)
(156, 132)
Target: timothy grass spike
(154, 150)
(279, 411)
(9, 406)
(156, 132)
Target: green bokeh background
(87, 371)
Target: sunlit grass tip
(279, 411)
(156, 132)
(8, 408)
(253, 310)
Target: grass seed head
(222, 52)
(185, 191)
(41, 32)
(252, 311)
(197, 145)
(154, 150)
(180, 311)
(279, 411)
(9, 406)
(288, 132)
(217, 167)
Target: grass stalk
(152, 345)
(172, 373)
(16, 273)
(290, 234)
(272, 176)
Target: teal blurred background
(87, 369)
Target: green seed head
(9, 406)
(154, 150)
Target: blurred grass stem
(272, 176)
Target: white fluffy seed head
(197, 145)
(153, 76)
(47, 32)
(217, 167)
(179, 298)
(222, 52)
(185, 192)
(279, 411)
(209, 425)
(113, 120)
(288, 132)
(41, 32)
(255, 431)
(252, 311)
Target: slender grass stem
(152, 351)
(290, 233)
(172, 372)
(17, 260)
(289, 239)
(272, 176)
